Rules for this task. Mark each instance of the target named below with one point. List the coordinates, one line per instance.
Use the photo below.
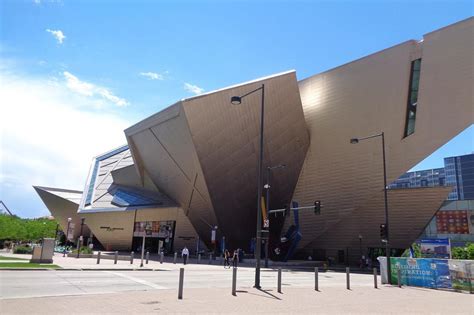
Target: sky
(75, 74)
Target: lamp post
(67, 235)
(267, 187)
(56, 234)
(69, 220)
(360, 246)
(387, 246)
(148, 231)
(237, 100)
(79, 243)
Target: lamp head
(354, 141)
(235, 100)
(69, 219)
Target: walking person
(185, 254)
(235, 258)
(226, 259)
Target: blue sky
(93, 68)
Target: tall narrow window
(412, 97)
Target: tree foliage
(17, 229)
(466, 252)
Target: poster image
(462, 274)
(421, 272)
(159, 229)
(435, 248)
(452, 222)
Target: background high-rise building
(458, 172)
(460, 175)
(455, 218)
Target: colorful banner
(70, 231)
(160, 229)
(452, 222)
(462, 274)
(435, 248)
(421, 272)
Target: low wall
(433, 273)
(102, 256)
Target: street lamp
(56, 234)
(67, 235)
(79, 242)
(267, 187)
(148, 231)
(360, 246)
(387, 246)
(237, 100)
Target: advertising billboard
(435, 248)
(421, 272)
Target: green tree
(458, 253)
(17, 229)
(470, 250)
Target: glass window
(412, 97)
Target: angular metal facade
(366, 97)
(201, 153)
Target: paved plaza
(303, 300)
(207, 289)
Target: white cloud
(49, 136)
(152, 75)
(59, 35)
(193, 88)
(91, 90)
(37, 1)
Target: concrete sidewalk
(107, 263)
(387, 300)
(71, 263)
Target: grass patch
(11, 258)
(27, 265)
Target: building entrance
(159, 236)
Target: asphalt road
(27, 284)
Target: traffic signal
(317, 207)
(287, 210)
(383, 232)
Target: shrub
(459, 253)
(23, 250)
(84, 250)
(470, 250)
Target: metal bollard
(116, 257)
(316, 280)
(175, 257)
(131, 257)
(147, 257)
(279, 280)
(375, 278)
(348, 279)
(161, 257)
(399, 277)
(98, 258)
(181, 281)
(199, 258)
(210, 259)
(234, 281)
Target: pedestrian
(226, 259)
(235, 258)
(185, 254)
